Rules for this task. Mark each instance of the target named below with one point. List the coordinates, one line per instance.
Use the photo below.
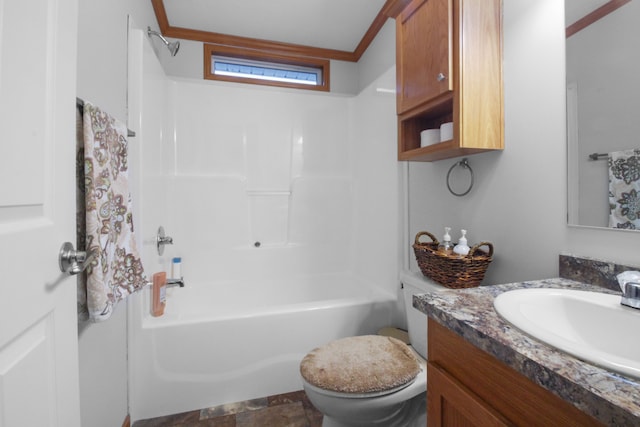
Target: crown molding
(592, 17)
(390, 9)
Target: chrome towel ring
(465, 164)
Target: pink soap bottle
(158, 294)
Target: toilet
(373, 380)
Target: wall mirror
(603, 112)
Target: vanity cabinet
(468, 387)
(449, 69)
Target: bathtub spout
(175, 282)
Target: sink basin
(591, 326)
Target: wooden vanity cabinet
(449, 68)
(468, 387)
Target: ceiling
(333, 29)
(330, 24)
(327, 29)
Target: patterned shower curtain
(104, 217)
(624, 189)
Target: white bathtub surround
(269, 216)
(227, 341)
(258, 165)
(309, 176)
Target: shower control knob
(161, 240)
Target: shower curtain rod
(80, 104)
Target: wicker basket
(452, 271)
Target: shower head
(172, 46)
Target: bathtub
(230, 341)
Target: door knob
(441, 77)
(72, 261)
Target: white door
(38, 328)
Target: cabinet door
(423, 56)
(451, 404)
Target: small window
(249, 66)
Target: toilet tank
(415, 283)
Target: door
(38, 327)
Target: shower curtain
(104, 217)
(624, 189)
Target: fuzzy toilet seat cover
(361, 364)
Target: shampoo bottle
(462, 248)
(446, 247)
(176, 268)
(158, 294)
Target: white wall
(102, 79)
(518, 199)
(379, 57)
(102, 50)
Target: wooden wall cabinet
(449, 68)
(468, 387)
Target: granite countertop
(612, 398)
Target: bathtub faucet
(631, 295)
(175, 282)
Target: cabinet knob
(441, 77)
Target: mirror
(603, 112)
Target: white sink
(591, 326)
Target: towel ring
(464, 163)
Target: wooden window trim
(236, 52)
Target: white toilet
(401, 398)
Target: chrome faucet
(162, 239)
(175, 282)
(631, 295)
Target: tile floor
(283, 410)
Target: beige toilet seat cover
(362, 364)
